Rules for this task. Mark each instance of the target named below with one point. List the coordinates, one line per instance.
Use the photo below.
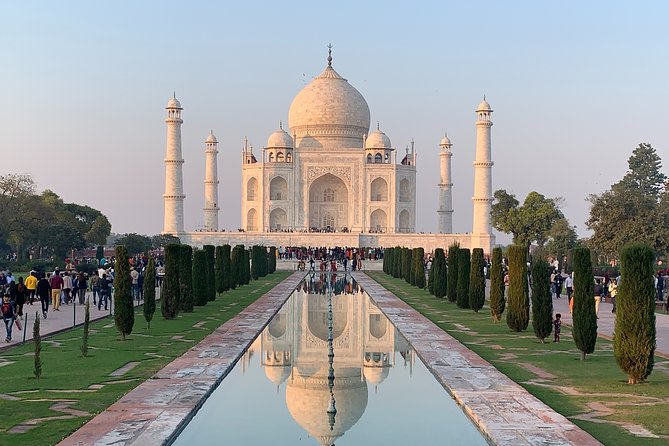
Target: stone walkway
(606, 323)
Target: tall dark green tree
(497, 301)
(237, 259)
(634, 209)
(464, 269)
(257, 259)
(419, 267)
(218, 270)
(170, 293)
(271, 269)
(542, 300)
(37, 342)
(398, 262)
(635, 340)
(186, 278)
(584, 319)
(406, 264)
(200, 286)
(227, 272)
(246, 265)
(518, 308)
(452, 281)
(124, 311)
(477, 280)
(209, 251)
(235, 265)
(440, 279)
(149, 287)
(385, 260)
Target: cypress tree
(169, 298)
(430, 276)
(211, 275)
(464, 267)
(635, 340)
(452, 282)
(265, 261)
(257, 258)
(234, 268)
(477, 281)
(542, 300)
(271, 269)
(227, 273)
(497, 301)
(388, 259)
(397, 262)
(440, 274)
(37, 342)
(124, 311)
(186, 278)
(419, 276)
(149, 286)
(200, 291)
(218, 269)
(406, 267)
(584, 319)
(518, 312)
(412, 269)
(385, 262)
(247, 266)
(87, 323)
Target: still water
(330, 367)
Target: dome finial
(378, 125)
(329, 54)
(281, 125)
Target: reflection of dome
(329, 108)
(277, 374)
(377, 140)
(277, 326)
(280, 139)
(376, 375)
(308, 399)
(173, 103)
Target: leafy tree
(169, 298)
(528, 223)
(518, 311)
(542, 300)
(562, 239)
(209, 251)
(635, 340)
(453, 275)
(419, 267)
(439, 273)
(134, 243)
(227, 273)
(584, 318)
(200, 289)
(162, 240)
(477, 281)
(149, 287)
(99, 252)
(464, 270)
(124, 310)
(218, 270)
(186, 278)
(497, 301)
(632, 210)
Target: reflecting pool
(330, 367)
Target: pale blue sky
(575, 87)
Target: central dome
(329, 113)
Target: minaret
(445, 210)
(482, 224)
(211, 184)
(174, 185)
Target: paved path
(56, 321)
(606, 323)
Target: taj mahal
(328, 181)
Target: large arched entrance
(278, 220)
(328, 204)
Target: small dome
(173, 103)
(277, 374)
(445, 141)
(377, 140)
(211, 138)
(376, 375)
(280, 139)
(483, 106)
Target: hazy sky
(575, 87)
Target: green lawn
(594, 393)
(71, 381)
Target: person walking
(8, 315)
(660, 286)
(598, 296)
(557, 326)
(569, 285)
(44, 293)
(56, 284)
(20, 298)
(31, 286)
(82, 286)
(104, 291)
(613, 291)
(67, 295)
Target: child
(557, 323)
(8, 315)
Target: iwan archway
(328, 204)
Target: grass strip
(73, 389)
(594, 393)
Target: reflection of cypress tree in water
(332, 409)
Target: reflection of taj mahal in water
(329, 181)
(294, 350)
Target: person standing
(82, 286)
(613, 291)
(134, 277)
(598, 296)
(104, 291)
(95, 287)
(56, 284)
(660, 286)
(67, 288)
(44, 292)
(31, 286)
(20, 296)
(569, 285)
(8, 315)
(557, 326)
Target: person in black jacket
(43, 291)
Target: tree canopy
(634, 209)
(529, 222)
